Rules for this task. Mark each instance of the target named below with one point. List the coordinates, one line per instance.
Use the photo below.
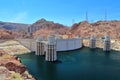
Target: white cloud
(20, 17)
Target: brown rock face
(20, 69)
(44, 24)
(100, 28)
(1, 52)
(45, 28)
(13, 67)
(6, 34)
(10, 66)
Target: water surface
(83, 64)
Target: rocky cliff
(45, 28)
(99, 29)
(13, 30)
(12, 69)
(6, 34)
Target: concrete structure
(49, 48)
(30, 31)
(92, 43)
(51, 54)
(28, 43)
(68, 44)
(40, 46)
(107, 43)
(61, 44)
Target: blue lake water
(82, 64)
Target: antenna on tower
(86, 16)
(105, 15)
(73, 21)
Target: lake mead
(82, 64)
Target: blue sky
(60, 11)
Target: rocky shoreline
(11, 68)
(115, 44)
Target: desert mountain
(45, 28)
(100, 28)
(6, 34)
(13, 26)
(10, 30)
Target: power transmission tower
(105, 15)
(73, 21)
(86, 16)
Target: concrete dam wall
(68, 44)
(28, 43)
(61, 44)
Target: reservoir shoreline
(76, 63)
(12, 47)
